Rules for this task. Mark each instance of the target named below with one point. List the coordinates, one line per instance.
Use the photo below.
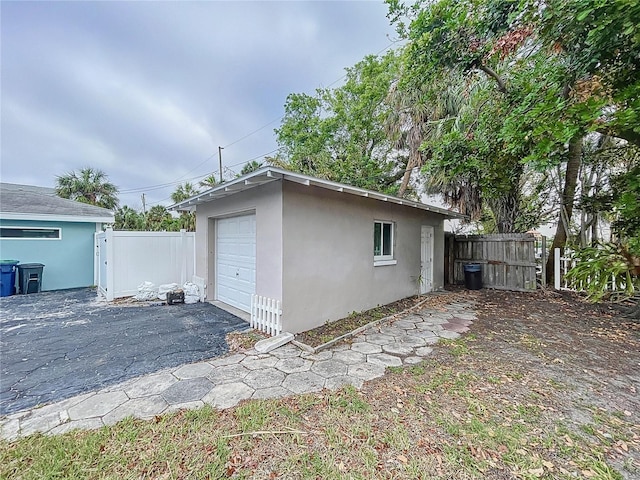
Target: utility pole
(144, 205)
(220, 158)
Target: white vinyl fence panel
(125, 259)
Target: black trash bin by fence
(30, 277)
(473, 276)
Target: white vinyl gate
(125, 259)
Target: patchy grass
(243, 341)
(481, 407)
(331, 330)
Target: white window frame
(382, 260)
(59, 229)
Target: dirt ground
(579, 360)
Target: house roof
(271, 174)
(28, 202)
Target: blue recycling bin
(473, 276)
(8, 277)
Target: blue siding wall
(68, 262)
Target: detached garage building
(37, 226)
(321, 248)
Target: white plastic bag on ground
(167, 287)
(146, 291)
(191, 293)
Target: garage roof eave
(271, 174)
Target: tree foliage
(252, 166)
(339, 134)
(88, 185)
(542, 77)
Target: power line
(179, 180)
(282, 116)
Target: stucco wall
(328, 269)
(68, 262)
(266, 202)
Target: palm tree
(187, 220)
(128, 219)
(252, 166)
(90, 186)
(184, 191)
(209, 181)
(158, 218)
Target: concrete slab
(193, 370)
(268, 344)
(304, 382)
(411, 340)
(349, 357)
(384, 360)
(366, 371)
(378, 338)
(228, 395)
(184, 406)
(150, 385)
(228, 374)
(423, 351)
(42, 423)
(264, 378)
(254, 362)
(336, 383)
(397, 349)
(412, 360)
(287, 351)
(86, 424)
(365, 347)
(271, 392)
(145, 407)
(187, 390)
(448, 334)
(330, 368)
(232, 359)
(97, 405)
(293, 364)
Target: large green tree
(88, 185)
(339, 134)
(559, 70)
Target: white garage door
(236, 260)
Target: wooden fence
(508, 261)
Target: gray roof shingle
(28, 199)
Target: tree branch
(629, 135)
(490, 72)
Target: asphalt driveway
(55, 345)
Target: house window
(32, 233)
(383, 233)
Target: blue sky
(147, 91)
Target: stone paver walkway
(225, 381)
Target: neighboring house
(322, 248)
(37, 226)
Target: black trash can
(30, 277)
(8, 277)
(473, 276)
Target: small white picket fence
(266, 315)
